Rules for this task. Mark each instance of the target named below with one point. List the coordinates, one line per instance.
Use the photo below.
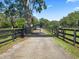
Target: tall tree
(25, 7)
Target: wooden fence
(62, 33)
(10, 34)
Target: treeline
(69, 21)
(45, 23)
(19, 13)
(17, 22)
(6, 22)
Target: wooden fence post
(57, 33)
(74, 39)
(22, 33)
(52, 31)
(13, 35)
(63, 34)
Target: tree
(28, 6)
(71, 20)
(20, 22)
(35, 21)
(4, 22)
(44, 22)
(25, 7)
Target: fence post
(57, 32)
(63, 34)
(52, 31)
(22, 33)
(74, 39)
(13, 35)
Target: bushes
(20, 22)
(6, 22)
(5, 25)
(71, 20)
(49, 25)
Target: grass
(74, 51)
(47, 32)
(9, 37)
(72, 32)
(5, 46)
(9, 28)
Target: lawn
(72, 32)
(5, 46)
(74, 51)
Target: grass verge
(5, 46)
(74, 51)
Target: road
(36, 48)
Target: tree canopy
(71, 20)
(21, 9)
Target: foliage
(21, 9)
(53, 24)
(72, 20)
(49, 25)
(44, 22)
(4, 22)
(20, 22)
(35, 21)
(74, 51)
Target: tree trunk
(28, 15)
(12, 22)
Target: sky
(57, 9)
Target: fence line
(61, 33)
(13, 33)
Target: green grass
(9, 37)
(5, 46)
(72, 32)
(46, 31)
(9, 28)
(74, 51)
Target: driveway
(36, 48)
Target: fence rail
(10, 34)
(62, 33)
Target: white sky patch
(72, 0)
(76, 9)
(49, 6)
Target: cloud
(49, 6)
(76, 9)
(72, 0)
